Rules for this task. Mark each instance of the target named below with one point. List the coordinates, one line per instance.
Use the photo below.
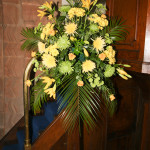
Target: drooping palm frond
(79, 103)
(116, 30)
(38, 96)
(111, 106)
(31, 39)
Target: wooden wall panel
(146, 64)
(131, 50)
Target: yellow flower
(70, 28)
(80, 83)
(88, 65)
(71, 56)
(49, 61)
(112, 97)
(103, 16)
(102, 56)
(33, 54)
(79, 12)
(52, 49)
(42, 36)
(110, 54)
(86, 52)
(101, 28)
(50, 17)
(121, 71)
(112, 60)
(72, 38)
(41, 47)
(28, 83)
(99, 44)
(123, 76)
(51, 91)
(101, 20)
(41, 14)
(87, 3)
(48, 5)
(49, 29)
(48, 81)
(55, 52)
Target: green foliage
(79, 103)
(116, 30)
(38, 96)
(105, 91)
(109, 71)
(31, 39)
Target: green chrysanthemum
(94, 28)
(64, 8)
(65, 67)
(63, 42)
(109, 71)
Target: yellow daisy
(70, 28)
(88, 65)
(99, 44)
(49, 61)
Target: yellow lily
(41, 14)
(51, 91)
(48, 5)
(48, 81)
(88, 3)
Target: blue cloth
(37, 124)
(11, 147)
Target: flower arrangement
(75, 56)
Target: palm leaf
(116, 30)
(79, 103)
(31, 39)
(111, 106)
(38, 96)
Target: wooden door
(131, 50)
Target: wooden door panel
(131, 50)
